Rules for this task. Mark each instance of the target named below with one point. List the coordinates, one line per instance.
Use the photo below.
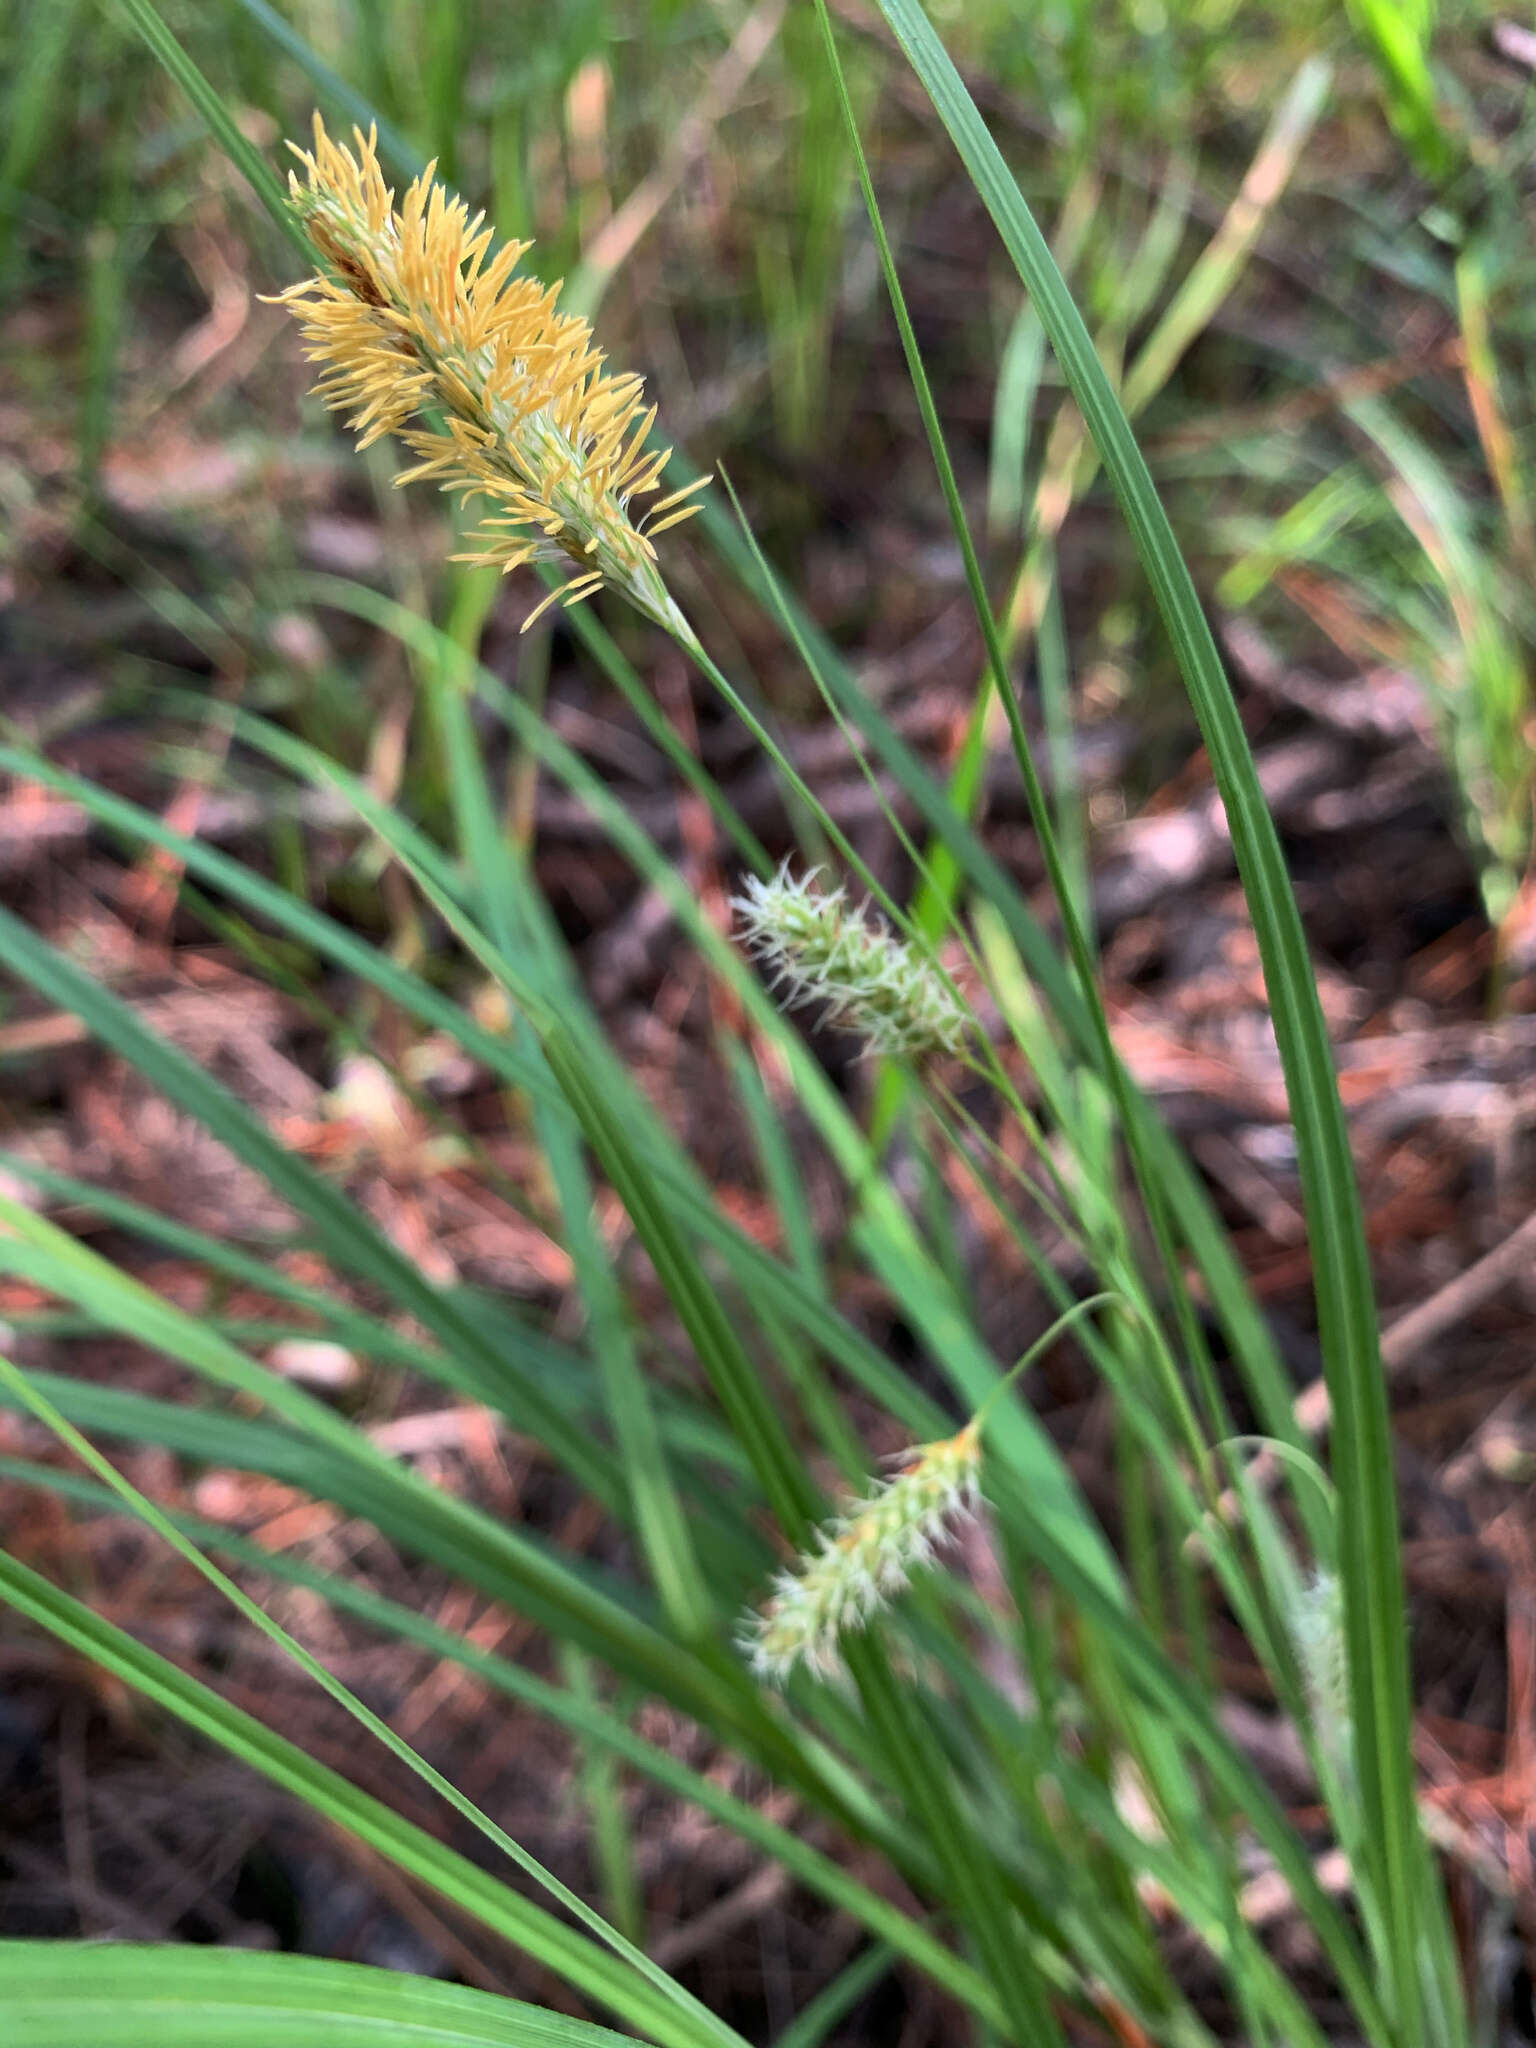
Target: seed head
(862, 1559)
(1317, 1629)
(818, 948)
(419, 317)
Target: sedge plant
(1034, 1755)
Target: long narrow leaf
(702, 2023)
(580, 1714)
(341, 1229)
(575, 1956)
(1363, 1460)
(70, 1994)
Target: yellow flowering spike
(420, 318)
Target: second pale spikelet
(1317, 1629)
(503, 398)
(864, 1557)
(818, 948)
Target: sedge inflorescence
(818, 947)
(1317, 1630)
(862, 1559)
(420, 319)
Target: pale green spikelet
(863, 1558)
(1317, 1630)
(819, 949)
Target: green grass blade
(705, 2027)
(697, 1440)
(837, 2000)
(610, 659)
(563, 1372)
(915, 1761)
(1398, 34)
(471, 1890)
(389, 1492)
(755, 1269)
(582, 1716)
(33, 110)
(505, 896)
(1078, 947)
(340, 1229)
(60, 1994)
(1252, 1343)
(746, 1399)
(931, 1305)
(783, 1177)
(1211, 278)
(147, 19)
(579, 1605)
(310, 927)
(356, 106)
(1370, 1555)
(601, 1789)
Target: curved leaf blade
(68, 1994)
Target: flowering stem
(1063, 1323)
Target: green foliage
(121, 1996)
(1399, 34)
(1031, 1770)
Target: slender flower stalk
(864, 1557)
(427, 335)
(819, 948)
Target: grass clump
(1018, 1786)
